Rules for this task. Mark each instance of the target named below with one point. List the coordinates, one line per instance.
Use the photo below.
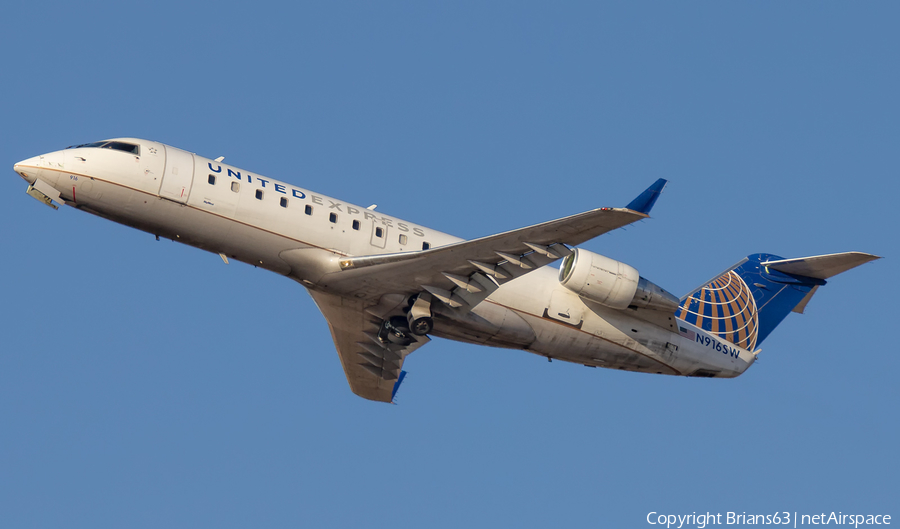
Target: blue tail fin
(744, 304)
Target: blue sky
(146, 384)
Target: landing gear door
(178, 176)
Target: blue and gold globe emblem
(725, 307)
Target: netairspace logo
(700, 521)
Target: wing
(372, 365)
(465, 273)
(368, 289)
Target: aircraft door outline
(376, 240)
(178, 175)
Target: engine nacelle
(612, 283)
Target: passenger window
(403, 239)
(308, 209)
(426, 245)
(332, 217)
(235, 186)
(283, 202)
(212, 180)
(356, 225)
(379, 232)
(259, 194)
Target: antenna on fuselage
(372, 207)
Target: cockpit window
(122, 146)
(95, 144)
(116, 145)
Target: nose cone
(28, 169)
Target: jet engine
(611, 283)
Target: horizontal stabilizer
(821, 266)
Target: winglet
(644, 202)
(397, 385)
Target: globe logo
(725, 307)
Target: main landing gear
(419, 315)
(395, 330)
(417, 322)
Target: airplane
(387, 285)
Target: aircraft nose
(28, 169)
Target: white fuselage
(302, 234)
